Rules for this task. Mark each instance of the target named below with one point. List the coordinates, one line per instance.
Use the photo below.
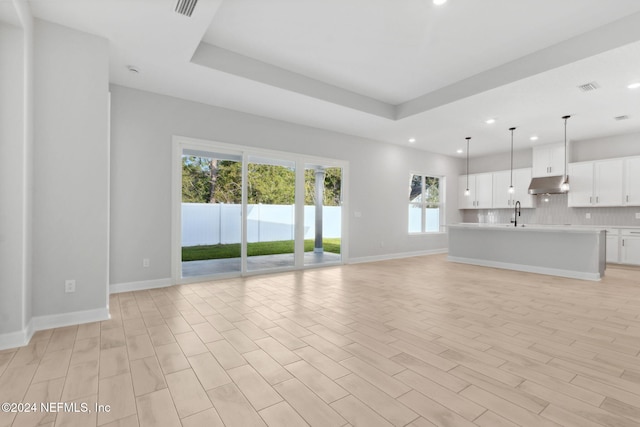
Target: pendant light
(467, 192)
(565, 182)
(511, 189)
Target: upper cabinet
(598, 183)
(548, 160)
(501, 196)
(480, 191)
(632, 181)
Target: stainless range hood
(547, 185)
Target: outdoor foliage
(206, 180)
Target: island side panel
(559, 252)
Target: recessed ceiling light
(534, 138)
(459, 151)
(412, 140)
(634, 85)
(439, 2)
(490, 121)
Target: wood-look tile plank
(359, 414)
(259, 393)
(309, 405)
(316, 381)
(208, 370)
(187, 393)
(147, 376)
(384, 382)
(208, 418)
(171, 358)
(391, 409)
(157, 408)
(117, 392)
(234, 409)
(282, 414)
(270, 370)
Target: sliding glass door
(240, 211)
(322, 214)
(211, 213)
(270, 213)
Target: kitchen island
(567, 251)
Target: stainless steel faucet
(516, 213)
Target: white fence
(211, 224)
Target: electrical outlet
(69, 286)
(588, 215)
(145, 262)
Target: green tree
(332, 187)
(196, 179)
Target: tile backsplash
(555, 211)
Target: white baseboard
(16, 339)
(529, 268)
(39, 323)
(67, 319)
(398, 255)
(139, 286)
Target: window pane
(415, 218)
(432, 189)
(415, 189)
(433, 220)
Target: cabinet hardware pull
(597, 198)
(635, 232)
(627, 198)
(590, 199)
(622, 242)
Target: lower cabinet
(613, 246)
(630, 246)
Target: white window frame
(423, 203)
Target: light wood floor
(417, 341)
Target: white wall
(606, 148)
(11, 179)
(142, 127)
(70, 221)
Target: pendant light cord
(565, 146)
(468, 138)
(511, 179)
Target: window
(426, 203)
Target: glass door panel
(322, 214)
(270, 213)
(211, 213)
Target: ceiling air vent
(621, 117)
(588, 87)
(185, 7)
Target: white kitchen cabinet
(613, 245)
(501, 196)
(480, 189)
(632, 181)
(597, 183)
(548, 160)
(630, 246)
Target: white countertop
(534, 227)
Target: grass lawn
(232, 250)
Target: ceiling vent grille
(625, 117)
(588, 87)
(185, 7)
